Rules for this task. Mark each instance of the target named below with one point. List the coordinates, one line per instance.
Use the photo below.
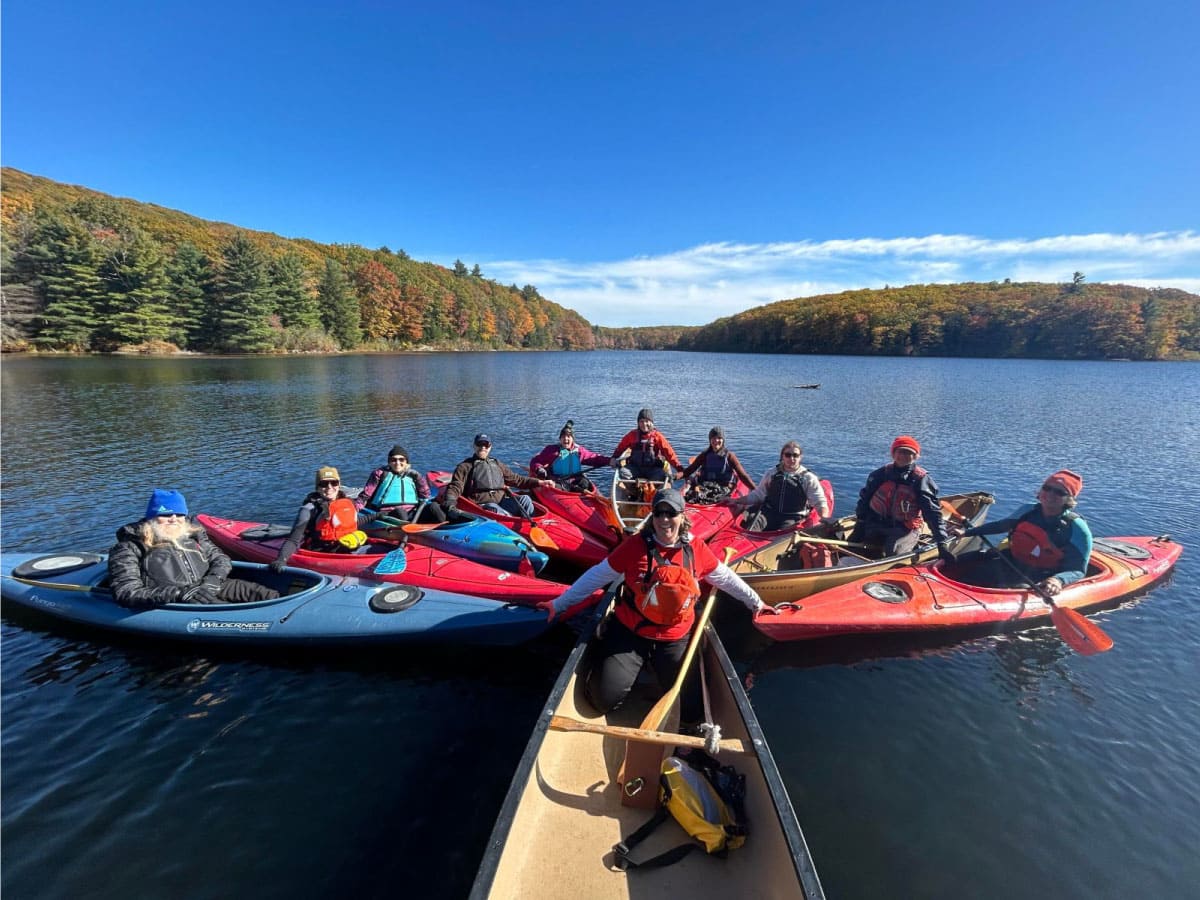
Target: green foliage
(219, 304)
(137, 293)
(339, 307)
(1074, 321)
(242, 301)
(295, 301)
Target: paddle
(661, 738)
(642, 761)
(816, 540)
(1080, 634)
(393, 563)
(536, 533)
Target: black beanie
(398, 451)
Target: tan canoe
(775, 570)
(563, 812)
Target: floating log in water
(807, 386)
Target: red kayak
(571, 542)
(423, 566)
(743, 541)
(938, 595)
(590, 511)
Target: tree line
(1019, 320)
(109, 274)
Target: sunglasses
(483, 445)
(1051, 489)
(398, 458)
(328, 483)
(666, 514)
(792, 455)
(172, 516)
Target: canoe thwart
(645, 736)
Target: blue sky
(643, 163)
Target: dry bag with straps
(708, 801)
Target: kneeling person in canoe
(327, 521)
(661, 567)
(167, 558)
(1048, 541)
(646, 453)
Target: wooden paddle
(638, 776)
(661, 738)
(1081, 635)
(816, 540)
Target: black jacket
(142, 576)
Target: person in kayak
(326, 522)
(488, 482)
(788, 493)
(165, 557)
(896, 500)
(660, 568)
(715, 471)
(397, 490)
(646, 453)
(565, 461)
(1047, 540)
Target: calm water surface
(998, 766)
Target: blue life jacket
(567, 463)
(395, 490)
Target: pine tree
(190, 275)
(243, 299)
(295, 302)
(339, 307)
(62, 262)
(137, 292)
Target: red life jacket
(1032, 546)
(667, 593)
(337, 521)
(898, 500)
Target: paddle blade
(414, 528)
(538, 535)
(1081, 635)
(392, 564)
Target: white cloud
(702, 283)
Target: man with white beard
(167, 558)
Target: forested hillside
(1050, 321)
(86, 271)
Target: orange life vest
(1032, 546)
(667, 592)
(898, 501)
(339, 520)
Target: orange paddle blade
(1082, 636)
(538, 535)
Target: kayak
(314, 610)
(563, 813)
(589, 510)
(423, 566)
(734, 534)
(474, 536)
(939, 595)
(799, 563)
(559, 537)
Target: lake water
(998, 766)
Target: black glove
(945, 553)
(199, 593)
(212, 582)
(277, 565)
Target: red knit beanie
(1067, 480)
(906, 441)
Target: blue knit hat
(164, 502)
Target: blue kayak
(476, 538)
(315, 609)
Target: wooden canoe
(631, 498)
(563, 813)
(774, 570)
